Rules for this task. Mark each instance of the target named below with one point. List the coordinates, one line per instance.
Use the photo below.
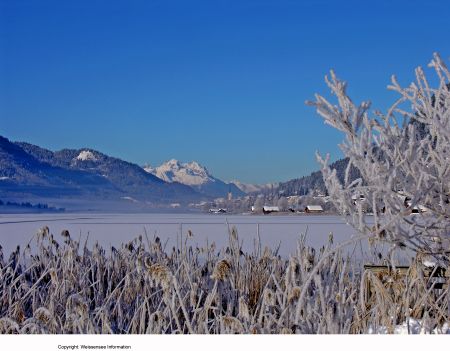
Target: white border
(226, 342)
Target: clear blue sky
(220, 82)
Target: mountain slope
(126, 177)
(194, 175)
(314, 181)
(21, 171)
(29, 170)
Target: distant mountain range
(85, 175)
(32, 173)
(28, 170)
(196, 176)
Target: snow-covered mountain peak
(194, 175)
(172, 163)
(86, 155)
(186, 173)
(197, 168)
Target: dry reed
(142, 288)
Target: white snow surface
(117, 228)
(191, 173)
(416, 326)
(86, 155)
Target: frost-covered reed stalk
(142, 288)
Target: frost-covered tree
(403, 158)
(259, 203)
(282, 203)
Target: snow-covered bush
(282, 203)
(259, 204)
(403, 158)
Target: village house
(270, 209)
(313, 209)
(217, 210)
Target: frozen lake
(115, 229)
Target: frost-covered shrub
(403, 158)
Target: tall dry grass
(62, 286)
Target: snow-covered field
(115, 229)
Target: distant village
(268, 204)
(273, 204)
